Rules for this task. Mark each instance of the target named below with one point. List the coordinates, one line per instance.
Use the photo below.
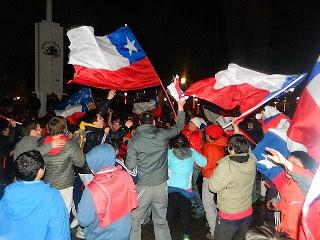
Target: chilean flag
(310, 220)
(174, 88)
(115, 61)
(241, 86)
(277, 139)
(305, 127)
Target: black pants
(177, 200)
(231, 229)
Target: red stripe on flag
(305, 127)
(135, 76)
(244, 95)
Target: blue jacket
(33, 210)
(180, 170)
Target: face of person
(116, 124)
(38, 130)
(99, 122)
(6, 132)
(192, 127)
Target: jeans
(196, 200)
(177, 200)
(209, 205)
(155, 197)
(231, 229)
(67, 195)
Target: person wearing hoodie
(181, 159)
(194, 133)
(107, 201)
(148, 152)
(233, 182)
(30, 209)
(213, 150)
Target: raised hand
(111, 94)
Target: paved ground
(198, 228)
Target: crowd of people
(107, 176)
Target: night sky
(195, 38)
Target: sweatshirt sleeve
(77, 155)
(86, 209)
(220, 179)
(132, 155)
(199, 158)
(302, 176)
(177, 128)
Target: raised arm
(177, 128)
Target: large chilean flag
(305, 126)
(241, 86)
(115, 61)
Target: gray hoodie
(148, 149)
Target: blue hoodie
(100, 157)
(33, 210)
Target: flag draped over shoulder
(305, 127)
(241, 86)
(115, 61)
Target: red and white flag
(114, 61)
(175, 89)
(305, 127)
(239, 86)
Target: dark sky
(198, 38)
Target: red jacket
(114, 194)
(291, 203)
(213, 151)
(195, 138)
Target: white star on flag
(130, 46)
(267, 163)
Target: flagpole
(171, 105)
(8, 119)
(266, 100)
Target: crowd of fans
(108, 176)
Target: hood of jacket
(100, 157)
(147, 130)
(243, 162)
(221, 141)
(19, 203)
(182, 153)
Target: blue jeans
(196, 200)
(231, 229)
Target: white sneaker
(74, 223)
(79, 233)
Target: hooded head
(198, 122)
(100, 157)
(214, 131)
